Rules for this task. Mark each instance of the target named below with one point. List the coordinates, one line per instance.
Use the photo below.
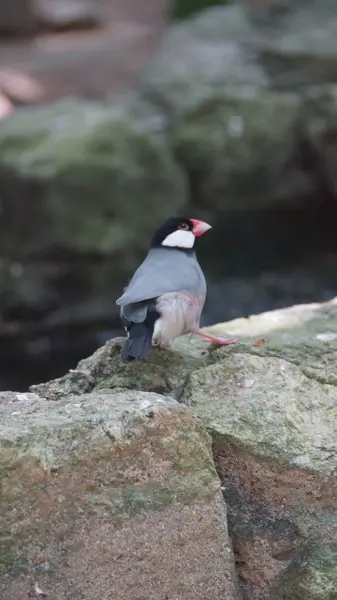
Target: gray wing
(162, 272)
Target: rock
(293, 43)
(165, 373)
(17, 17)
(271, 412)
(243, 409)
(75, 152)
(66, 14)
(318, 576)
(304, 335)
(318, 117)
(120, 497)
(104, 60)
(296, 41)
(234, 136)
(193, 63)
(238, 145)
(82, 182)
(221, 77)
(25, 17)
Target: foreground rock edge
(93, 471)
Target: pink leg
(221, 341)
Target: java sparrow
(166, 295)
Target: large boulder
(293, 43)
(194, 61)
(270, 407)
(110, 495)
(84, 185)
(223, 77)
(296, 41)
(238, 145)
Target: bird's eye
(183, 226)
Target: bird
(165, 297)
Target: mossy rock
(238, 144)
(317, 566)
(125, 476)
(164, 372)
(90, 163)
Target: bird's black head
(179, 232)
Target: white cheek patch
(179, 239)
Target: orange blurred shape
(258, 342)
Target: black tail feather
(139, 342)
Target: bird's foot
(160, 344)
(221, 341)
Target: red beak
(199, 227)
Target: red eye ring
(183, 226)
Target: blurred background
(115, 114)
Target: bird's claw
(221, 341)
(226, 341)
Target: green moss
(165, 372)
(77, 151)
(206, 146)
(296, 334)
(135, 499)
(268, 406)
(13, 559)
(63, 461)
(189, 450)
(311, 575)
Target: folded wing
(162, 271)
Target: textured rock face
(275, 445)
(271, 412)
(110, 494)
(164, 373)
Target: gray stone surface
(271, 411)
(110, 493)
